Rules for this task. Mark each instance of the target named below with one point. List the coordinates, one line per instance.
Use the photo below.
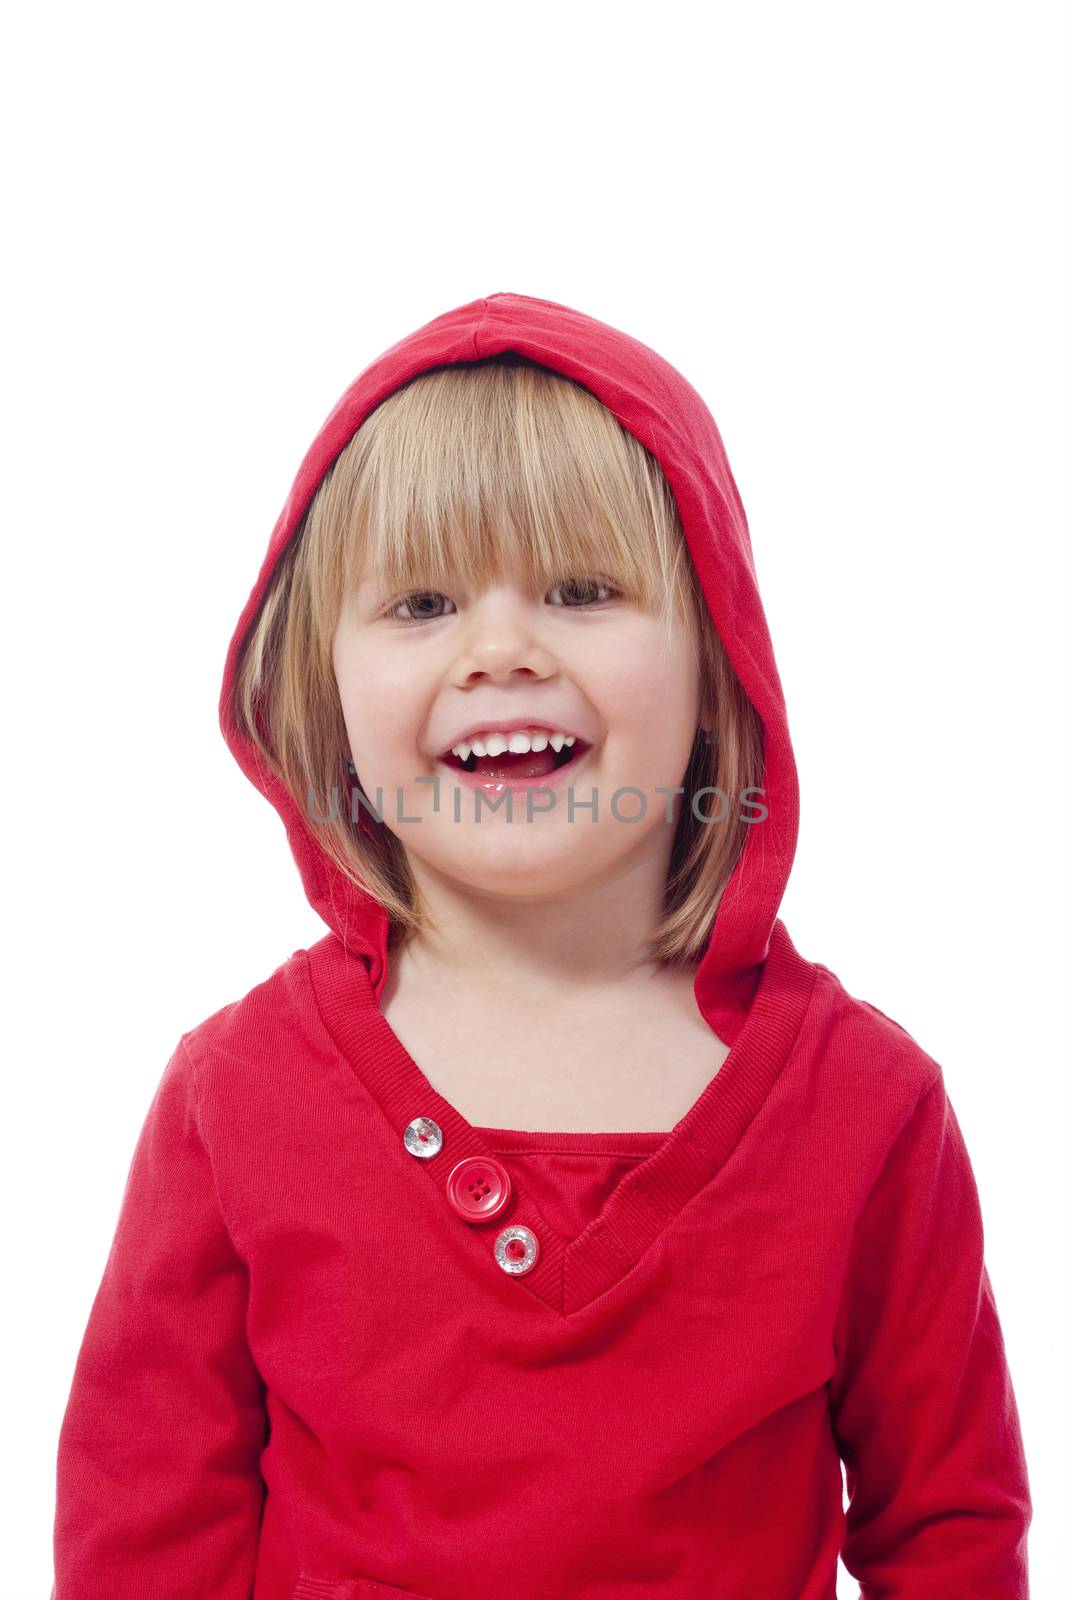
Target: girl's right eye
(417, 595)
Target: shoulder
(876, 1072)
(270, 1029)
(265, 1081)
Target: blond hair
(477, 470)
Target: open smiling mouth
(513, 767)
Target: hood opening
(660, 419)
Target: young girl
(362, 1334)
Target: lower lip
(556, 779)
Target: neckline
(520, 1141)
(568, 1274)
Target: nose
(501, 638)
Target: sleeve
(922, 1404)
(158, 1488)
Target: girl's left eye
(588, 583)
(566, 583)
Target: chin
(503, 872)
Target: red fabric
(306, 1377)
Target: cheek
(651, 690)
(379, 700)
(382, 743)
(650, 706)
(363, 673)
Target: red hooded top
(317, 1369)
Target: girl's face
(422, 671)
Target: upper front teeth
(519, 742)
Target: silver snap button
(515, 1248)
(422, 1137)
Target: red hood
(657, 405)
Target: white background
(844, 224)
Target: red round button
(478, 1187)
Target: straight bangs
(485, 472)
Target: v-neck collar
(568, 1274)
